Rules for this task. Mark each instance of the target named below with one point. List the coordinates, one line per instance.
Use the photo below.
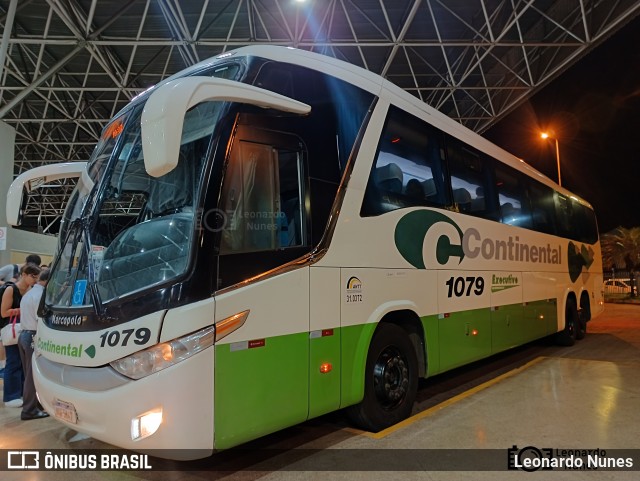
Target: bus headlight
(161, 356)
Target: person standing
(10, 273)
(29, 322)
(10, 306)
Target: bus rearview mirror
(164, 111)
(34, 179)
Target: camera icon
(215, 220)
(528, 459)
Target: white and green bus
(272, 235)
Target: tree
(621, 248)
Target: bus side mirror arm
(34, 178)
(163, 114)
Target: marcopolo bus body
(272, 235)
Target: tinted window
(262, 197)
(542, 207)
(341, 106)
(470, 180)
(563, 210)
(408, 170)
(226, 71)
(514, 205)
(328, 132)
(585, 223)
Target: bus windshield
(105, 251)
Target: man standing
(29, 321)
(11, 272)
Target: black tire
(391, 380)
(567, 337)
(584, 315)
(581, 331)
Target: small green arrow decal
(91, 351)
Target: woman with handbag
(9, 309)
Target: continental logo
(577, 259)
(418, 232)
(68, 350)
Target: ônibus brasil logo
(418, 232)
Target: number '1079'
(121, 338)
(464, 286)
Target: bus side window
(408, 170)
(514, 204)
(542, 207)
(470, 180)
(261, 199)
(564, 216)
(585, 223)
(329, 132)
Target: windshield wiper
(44, 309)
(79, 228)
(91, 273)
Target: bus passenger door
(261, 379)
(262, 368)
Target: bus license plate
(65, 410)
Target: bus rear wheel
(567, 337)
(391, 380)
(584, 315)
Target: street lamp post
(546, 135)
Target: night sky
(594, 108)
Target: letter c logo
(411, 231)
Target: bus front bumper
(182, 393)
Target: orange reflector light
(230, 324)
(325, 367)
(474, 332)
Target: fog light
(146, 424)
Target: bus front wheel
(391, 380)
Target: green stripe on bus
(355, 346)
(264, 385)
(324, 387)
(457, 338)
(259, 390)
